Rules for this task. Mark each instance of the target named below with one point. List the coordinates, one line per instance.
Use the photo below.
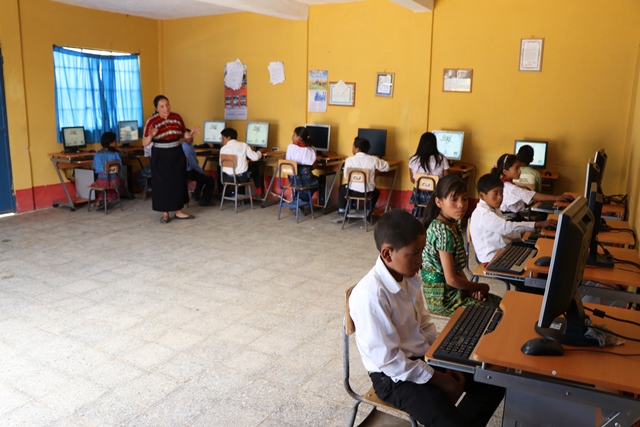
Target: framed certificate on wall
(342, 93)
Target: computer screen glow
(211, 131)
(73, 137)
(128, 130)
(539, 152)
(450, 143)
(257, 134)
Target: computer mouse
(543, 261)
(542, 347)
(92, 151)
(551, 227)
(547, 174)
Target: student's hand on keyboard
(482, 288)
(567, 197)
(548, 224)
(478, 296)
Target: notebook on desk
(458, 345)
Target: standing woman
(168, 163)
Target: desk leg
(393, 181)
(533, 401)
(69, 203)
(267, 193)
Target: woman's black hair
(362, 144)
(427, 148)
(397, 228)
(525, 154)
(304, 135)
(448, 186)
(159, 98)
(107, 139)
(504, 162)
(488, 182)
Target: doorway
(7, 196)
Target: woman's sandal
(165, 219)
(184, 217)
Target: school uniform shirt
(392, 325)
(514, 198)
(192, 158)
(365, 161)
(490, 232)
(416, 167)
(529, 176)
(242, 152)
(301, 155)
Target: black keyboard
(547, 205)
(513, 258)
(462, 339)
(533, 237)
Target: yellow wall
(29, 71)
(579, 102)
(196, 50)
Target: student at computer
(516, 198)
(394, 331)
(302, 152)
(426, 160)
(490, 232)
(108, 153)
(529, 177)
(444, 283)
(243, 152)
(204, 183)
(362, 160)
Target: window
(96, 89)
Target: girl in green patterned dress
(444, 283)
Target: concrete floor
(225, 320)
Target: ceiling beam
(416, 5)
(287, 9)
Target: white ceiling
(174, 9)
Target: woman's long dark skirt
(169, 175)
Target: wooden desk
(569, 390)
(329, 167)
(394, 166)
(611, 237)
(70, 161)
(620, 274)
(135, 152)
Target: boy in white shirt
(243, 152)
(394, 331)
(362, 160)
(489, 230)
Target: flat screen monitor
(128, 131)
(600, 159)
(450, 143)
(211, 131)
(539, 152)
(593, 175)
(377, 138)
(595, 201)
(73, 138)
(257, 134)
(562, 316)
(320, 136)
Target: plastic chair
(359, 176)
(229, 161)
(110, 168)
(424, 182)
(289, 169)
(389, 415)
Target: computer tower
(84, 178)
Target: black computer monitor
(600, 159)
(562, 316)
(257, 134)
(128, 131)
(73, 138)
(593, 175)
(450, 143)
(320, 136)
(211, 131)
(595, 201)
(539, 152)
(377, 138)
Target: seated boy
(489, 230)
(362, 160)
(205, 184)
(243, 152)
(529, 177)
(394, 331)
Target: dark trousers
(204, 185)
(342, 193)
(431, 407)
(253, 172)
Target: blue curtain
(96, 91)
